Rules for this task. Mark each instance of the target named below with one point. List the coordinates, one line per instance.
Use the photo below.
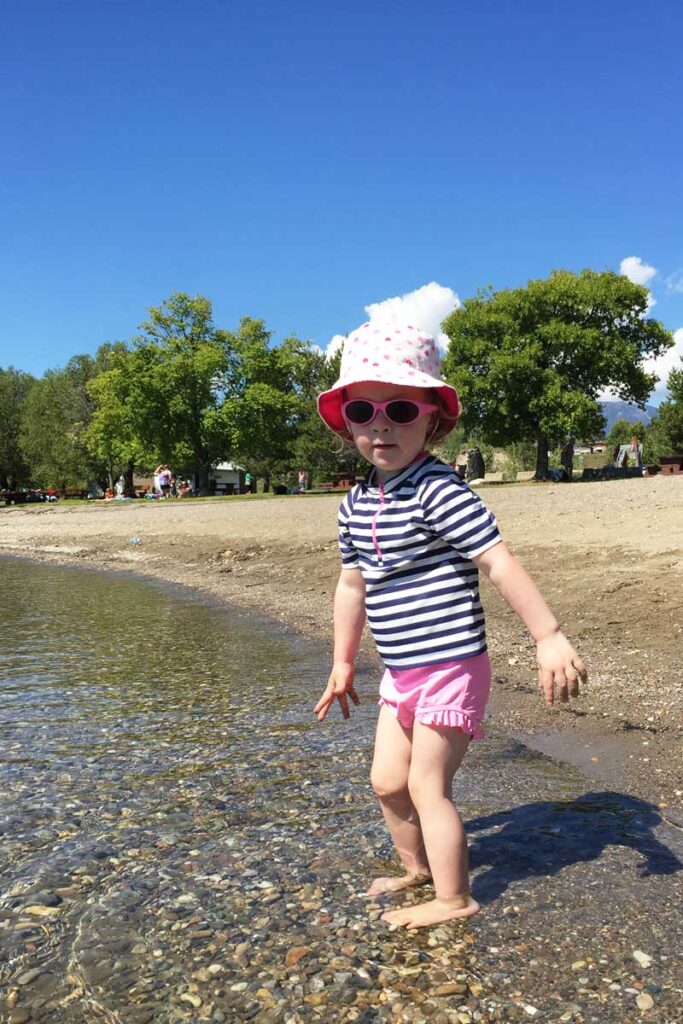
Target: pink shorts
(452, 693)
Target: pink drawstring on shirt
(374, 523)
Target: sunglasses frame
(422, 409)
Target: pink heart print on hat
(412, 352)
(400, 354)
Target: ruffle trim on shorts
(453, 719)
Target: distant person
(165, 477)
(247, 482)
(567, 458)
(412, 537)
(184, 491)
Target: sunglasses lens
(402, 411)
(359, 412)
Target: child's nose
(381, 422)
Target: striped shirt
(413, 540)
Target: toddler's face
(390, 447)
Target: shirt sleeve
(348, 552)
(458, 516)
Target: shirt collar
(400, 478)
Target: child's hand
(338, 686)
(559, 667)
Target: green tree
(270, 405)
(261, 404)
(54, 419)
(14, 387)
(664, 435)
(175, 383)
(530, 363)
(113, 436)
(316, 449)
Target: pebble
(29, 976)
(644, 959)
(192, 999)
(645, 1001)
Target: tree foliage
(177, 378)
(665, 434)
(530, 363)
(14, 387)
(191, 394)
(118, 394)
(623, 430)
(54, 420)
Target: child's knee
(424, 789)
(388, 784)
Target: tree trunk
(266, 481)
(568, 458)
(203, 480)
(541, 457)
(128, 486)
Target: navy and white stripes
(413, 540)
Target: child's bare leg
(390, 770)
(436, 755)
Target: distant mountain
(614, 410)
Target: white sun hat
(399, 354)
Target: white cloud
(674, 282)
(334, 346)
(426, 307)
(635, 270)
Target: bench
(671, 464)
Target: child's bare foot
(397, 883)
(436, 911)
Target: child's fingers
(545, 681)
(323, 705)
(573, 680)
(580, 666)
(327, 700)
(562, 685)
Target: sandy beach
(608, 557)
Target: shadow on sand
(540, 839)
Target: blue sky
(300, 160)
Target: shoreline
(279, 559)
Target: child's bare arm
(349, 619)
(559, 665)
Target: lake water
(180, 840)
(147, 737)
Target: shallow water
(176, 828)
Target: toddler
(413, 537)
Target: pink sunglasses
(401, 411)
